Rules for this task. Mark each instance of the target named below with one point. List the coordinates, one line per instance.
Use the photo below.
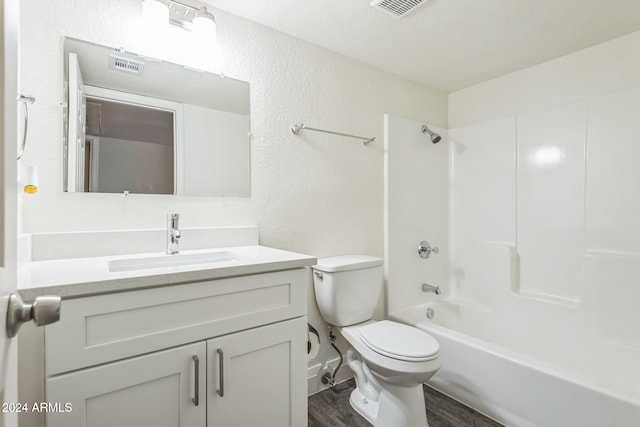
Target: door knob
(44, 311)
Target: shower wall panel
(483, 209)
(612, 264)
(613, 172)
(550, 210)
(416, 209)
(545, 230)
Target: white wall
(216, 150)
(291, 81)
(142, 167)
(313, 193)
(545, 207)
(583, 75)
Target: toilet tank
(347, 288)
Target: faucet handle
(425, 249)
(172, 220)
(173, 233)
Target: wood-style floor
(331, 408)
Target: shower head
(435, 138)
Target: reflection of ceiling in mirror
(129, 122)
(160, 79)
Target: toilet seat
(399, 341)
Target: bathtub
(512, 387)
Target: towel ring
(25, 100)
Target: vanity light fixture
(204, 23)
(187, 16)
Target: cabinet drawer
(100, 329)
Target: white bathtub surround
(544, 255)
(543, 219)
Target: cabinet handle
(196, 387)
(221, 367)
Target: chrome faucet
(173, 233)
(430, 288)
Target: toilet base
(365, 407)
(396, 407)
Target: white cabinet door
(158, 390)
(258, 377)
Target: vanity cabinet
(226, 352)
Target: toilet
(390, 360)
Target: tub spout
(430, 288)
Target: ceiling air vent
(397, 8)
(125, 64)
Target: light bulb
(155, 12)
(204, 24)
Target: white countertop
(78, 277)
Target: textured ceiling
(447, 44)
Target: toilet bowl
(390, 360)
(389, 389)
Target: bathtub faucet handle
(425, 249)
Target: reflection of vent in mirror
(397, 8)
(125, 64)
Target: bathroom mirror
(140, 125)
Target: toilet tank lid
(346, 263)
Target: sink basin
(178, 260)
